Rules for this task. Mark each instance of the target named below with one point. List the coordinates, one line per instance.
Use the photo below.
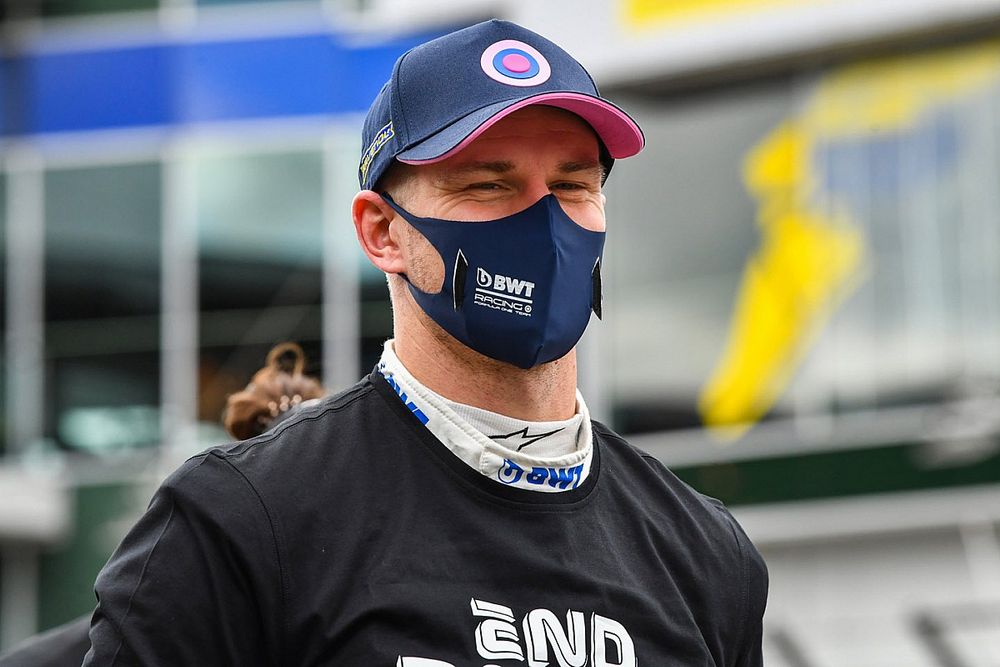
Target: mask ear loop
(458, 275)
(597, 293)
(606, 161)
(385, 195)
(458, 279)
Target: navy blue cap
(446, 92)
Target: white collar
(555, 463)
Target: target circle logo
(515, 63)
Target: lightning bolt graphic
(528, 439)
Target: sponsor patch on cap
(382, 137)
(515, 63)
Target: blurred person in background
(276, 392)
(457, 506)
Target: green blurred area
(102, 515)
(859, 472)
(84, 7)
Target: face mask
(519, 289)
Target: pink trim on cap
(621, 136)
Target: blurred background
(802, 276)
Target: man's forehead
(472, 166)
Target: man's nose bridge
(537, 188)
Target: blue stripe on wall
(288, 76)
(177, 83)
(97, 89)
(4, 95)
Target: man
(457, 507)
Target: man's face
(531, 153)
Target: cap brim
(619, 133)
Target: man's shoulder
(311, 439)
(681, 513)
(332, 416)
(633, 461)
(300, 463)
(660, 489)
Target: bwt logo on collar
(505, 293)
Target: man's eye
(568, 186)
(484, 186)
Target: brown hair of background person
(277, 388)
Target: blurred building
(806, 257)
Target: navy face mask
(518, 289)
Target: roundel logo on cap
(515, 64)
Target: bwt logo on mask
(504, 283)
(504, 293)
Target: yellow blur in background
(812, 251)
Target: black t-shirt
(349, 535)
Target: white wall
(849, 578)
(617, 50)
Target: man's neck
(445, 366)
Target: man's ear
(373, 220)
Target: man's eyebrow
(497, 167)
(582, 165)
(505, 166)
